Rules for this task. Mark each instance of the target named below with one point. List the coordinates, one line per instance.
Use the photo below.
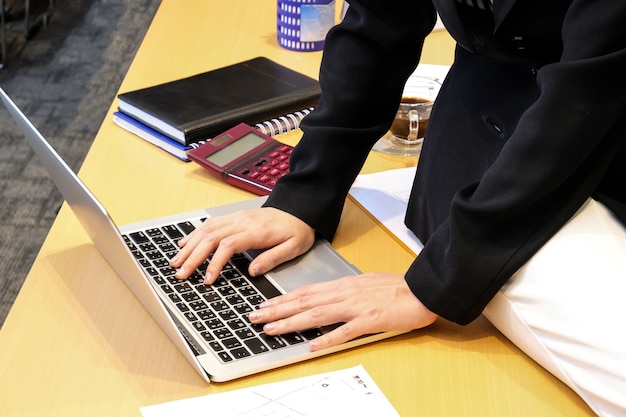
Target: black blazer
(530, 122)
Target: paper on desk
(386, 195)
(349, 392)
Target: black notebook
(197, 108)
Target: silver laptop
(207, 323)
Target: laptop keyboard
(217, 313)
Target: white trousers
(566, 308)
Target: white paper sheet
(386, 195)
(348, 392)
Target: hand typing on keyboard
(361, 302)
(262, 228)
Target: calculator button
(264, 168)
(284, 148)
(274, 172)
(273, 154)
(254, 175)
(283, 166)
(264, 178)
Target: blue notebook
(154, 137)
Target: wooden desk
(77, 342)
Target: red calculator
(244, 157)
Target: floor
(64, 76)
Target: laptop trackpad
(320, 263)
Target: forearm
(367, 59)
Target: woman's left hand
(368, 303)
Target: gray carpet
(64, 77)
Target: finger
(301, 314)
(342, 334)
(279, 254)
(199, 245)
(226, 248)
(307, 296)
(188, 259)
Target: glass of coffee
(407, 131)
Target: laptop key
(273, 342)
(222, 333)
(172, 231)
(240, 353)
(244, 334)
(311, 334)
(206, 314)
(293, 338)
(225, 356)
(234, 299)
(183, 287)
(243, 309)
(231, 343)
(153, 232)
(248, 291)
(198, 305)
(255, 300)
(190, 316)
(219, 306)
(208, 337)
(139, 237)
(199, 326)
(214, 324)
(211, 296)
(186, 227)
(256, 346)
(237, 324)
(190, 296)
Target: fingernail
(314, 344)
(255, 315)
(174, 259)
(180, 271)
(257, 270)
(207, 278)
(269, 327)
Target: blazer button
(518, 43)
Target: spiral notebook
(272, 127)
(199, 107)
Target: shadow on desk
(101, 329)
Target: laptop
(208, 324)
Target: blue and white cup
(302, 25)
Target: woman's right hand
(282, 234)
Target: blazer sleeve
(366, 62)
(568, 145)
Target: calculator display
(235, 149)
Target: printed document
(348, 392)
(385, 195)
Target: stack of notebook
(180, 115)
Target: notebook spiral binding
(283, 124)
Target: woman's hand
(368, 303)
(261, 228)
